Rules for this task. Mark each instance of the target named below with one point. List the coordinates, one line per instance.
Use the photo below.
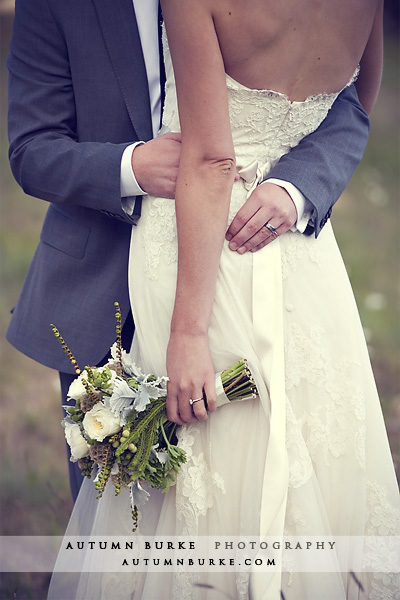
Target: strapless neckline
(234, 84)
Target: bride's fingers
(174, 417)
(186, 399)
(209, 390)
(173, 407)
(185, 407)
(198, 406)
(185, 410)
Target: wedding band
(191, 402)
(272, 229)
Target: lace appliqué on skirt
(335, 425)
(160, 235)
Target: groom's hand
(269, 203)
(155, 165)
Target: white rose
(99, 422)
(76, 441)
(77, 389)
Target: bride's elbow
(224, 165)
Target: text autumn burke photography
(199, 554)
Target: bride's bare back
(296, 47)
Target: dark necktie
(162, 66)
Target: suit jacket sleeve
(323, 163)
(46, 156)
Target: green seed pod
(126, 433)
(132, 448)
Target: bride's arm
(203, 190)
(371, 64)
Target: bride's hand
(269, 203)
(190, 371)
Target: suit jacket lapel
(118, 24)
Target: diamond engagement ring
(272, 229)
(191, 402)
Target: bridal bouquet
(118, 425)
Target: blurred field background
(34, 491)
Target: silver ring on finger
(191, 402)
(272, 229)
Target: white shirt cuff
(129, 185)
(303, 206)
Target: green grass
(367, 226)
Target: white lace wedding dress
(310, 456)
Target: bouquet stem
(235, 383)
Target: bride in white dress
(310, 455)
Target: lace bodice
(265, 124)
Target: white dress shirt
(146, 12)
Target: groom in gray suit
(84, 88)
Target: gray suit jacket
(78, 96)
